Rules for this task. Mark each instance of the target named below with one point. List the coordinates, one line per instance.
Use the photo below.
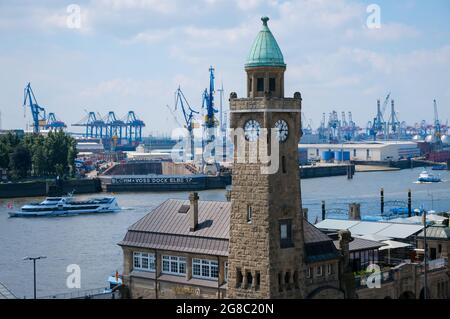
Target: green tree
(4, 155)
(20, 162)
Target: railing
(437, 264)
(97, 293)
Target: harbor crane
(94, 125)
(379, 125)
(53, 123)
(37, 112)
(133, 127)
(210, 121)
(188, 115)
(394, 123)
(437, 123)
(114, 126)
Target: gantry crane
(94, 125)
(133, 128)
(53, 123)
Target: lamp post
(425, 256)
(34, 270)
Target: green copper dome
(265, 50)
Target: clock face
(252, 130)
(282, 130)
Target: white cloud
(166, 6)
(387, 32)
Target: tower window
(258, 280)
(280, 282)
(239, 277)
(296, 285)
(249, 214)
(250, 85)
(260, 84)
(287, 280)
(249, 279)
(272, 84)
(286, 234)
(283, 164)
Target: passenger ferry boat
(426, 177)
(65, 206)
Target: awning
(392, 244)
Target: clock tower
(266, 252)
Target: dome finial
(264, 20)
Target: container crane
(133, 128)
(114, 127)
(394, 123)
(94, 125)
(53, 123)
(379, 125)
(38, 112)
(188, 115)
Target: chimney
(193, 212)
(354, 212)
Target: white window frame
(319, 271)
(140, 256)
(329, 269)
(179, 261)
(204, 264)
(309, 272)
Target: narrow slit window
(249, 214)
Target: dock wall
(49, 188)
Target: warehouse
(373, 151)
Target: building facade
(374, 151)
(259, 244)
(266, 229)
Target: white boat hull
(67, 208)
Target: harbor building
(373, 151)
(259, 244)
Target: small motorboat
(439, 168)
(426, 177)
(67, 206)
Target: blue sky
(133, 54)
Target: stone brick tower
(266, 227)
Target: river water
(90, 241)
